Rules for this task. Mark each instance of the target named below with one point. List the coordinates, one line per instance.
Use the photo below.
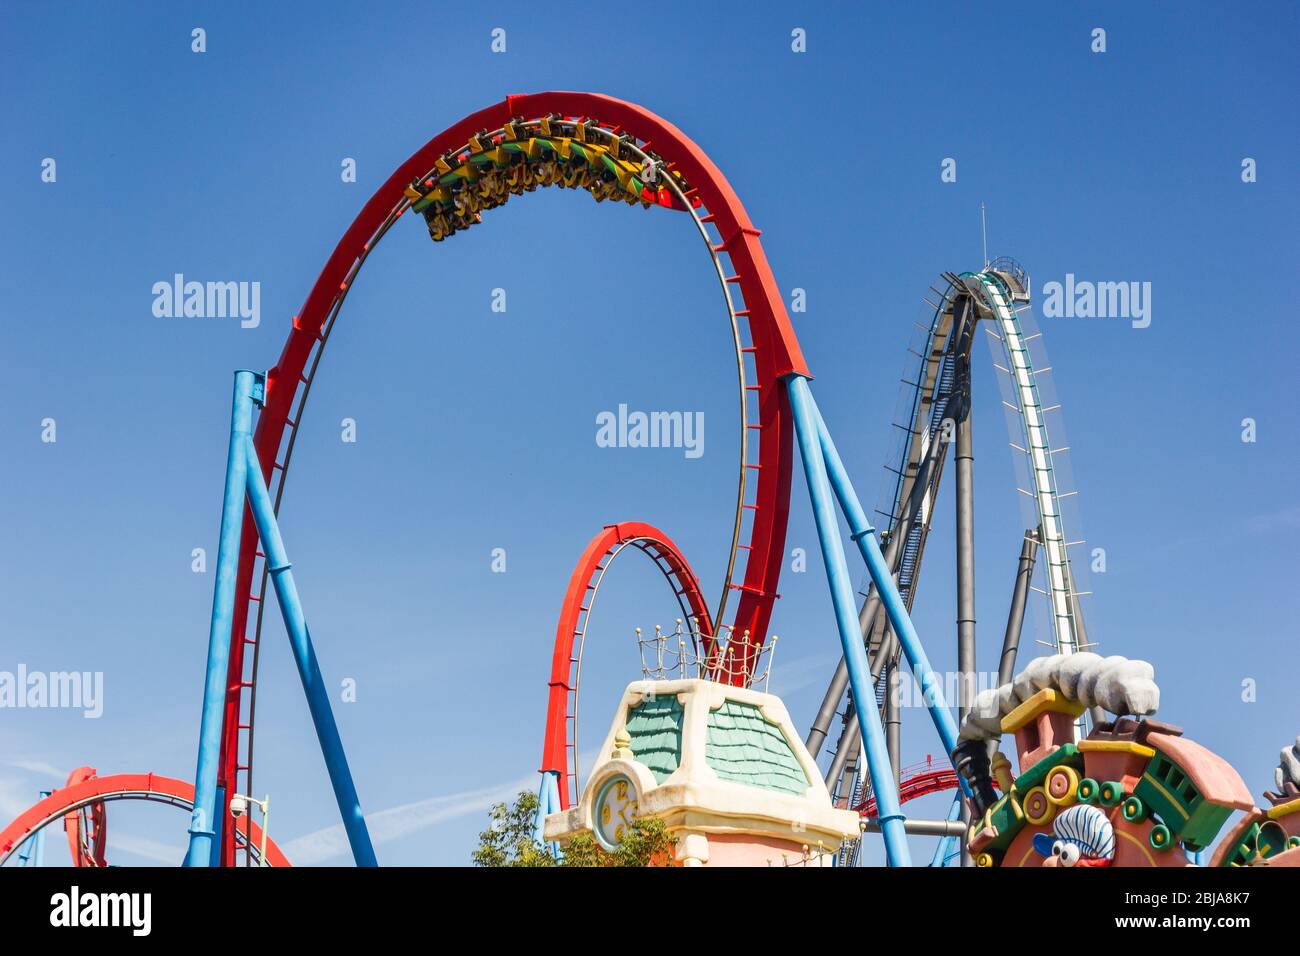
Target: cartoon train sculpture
(1133, 792)
(1269, 837)
(724, 768)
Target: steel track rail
(775, 354)
(575, 620)
(146, 787)
(1038, 450)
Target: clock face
(615, 809)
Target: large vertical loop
(773, 346)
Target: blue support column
(553, 790)
(841, 587)
(548, 801)
(304, 655)
(218, 827)
(947, 845)
(553, 793)
(33, 849)
(223, 609)
(865, 537)
(543, 807)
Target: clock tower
(725, 770)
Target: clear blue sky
(476, 429)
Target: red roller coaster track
(775, 352)
(88, 838)
(915, 781)
(87, 790)
(559, 752)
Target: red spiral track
(556, 751)
(89, 844)
(775, 350)
(915, 781)
(84, 789)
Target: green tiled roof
(745, 747)
(655, 726)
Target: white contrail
(16, 795)
(397, 822)
(795, 675)
(154, 850)
(39, 766)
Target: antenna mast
(984, 232)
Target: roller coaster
(939, 387)
(619, 152)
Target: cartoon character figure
(1081, 836)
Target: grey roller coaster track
(941, 392)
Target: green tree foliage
(508, 841)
